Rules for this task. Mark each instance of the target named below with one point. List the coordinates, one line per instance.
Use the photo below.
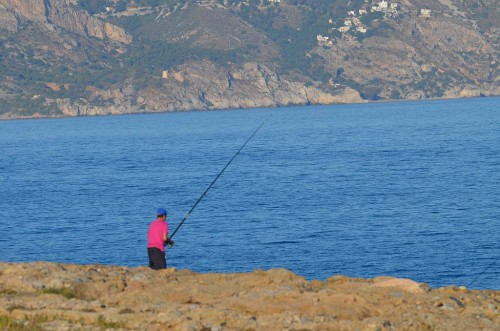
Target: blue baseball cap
(161, 212)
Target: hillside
(86, 57)
(50, 296)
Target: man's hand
(170, 243)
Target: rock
(451, 93)
(470, 93)
(249, 86)
(110, 297)
(59, 13)
(8, 21)
(407, 285)
(32, 10)
(348, 95)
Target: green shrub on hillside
(26, 105)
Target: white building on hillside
(361, 29)
(322, 39)
(425, 12)
(383, 4)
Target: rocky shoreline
(97, 111)
(52, 296)
(84, 58)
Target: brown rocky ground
(50, 296)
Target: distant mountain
(86, 57)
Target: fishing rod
(482, 273)
(217, 177)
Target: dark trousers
(157, 259)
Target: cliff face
(58, 59)
(51, 14)
(187, 88)
(8, 20)
(33, 10)
(71, 297)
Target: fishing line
(217, 177)
(482, 273)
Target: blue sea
(406, 189)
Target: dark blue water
(400, 189)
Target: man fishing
(157, 239)
(158, 230)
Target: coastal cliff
(51, 296)
(187, 88)
(54, 14)
(82, 57)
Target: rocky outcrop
(31, 10)
(58, 13)
(472, 91)
(93, 297)
(8, 20)
(187, 88)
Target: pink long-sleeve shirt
(157, 229)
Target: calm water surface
(401, 189)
